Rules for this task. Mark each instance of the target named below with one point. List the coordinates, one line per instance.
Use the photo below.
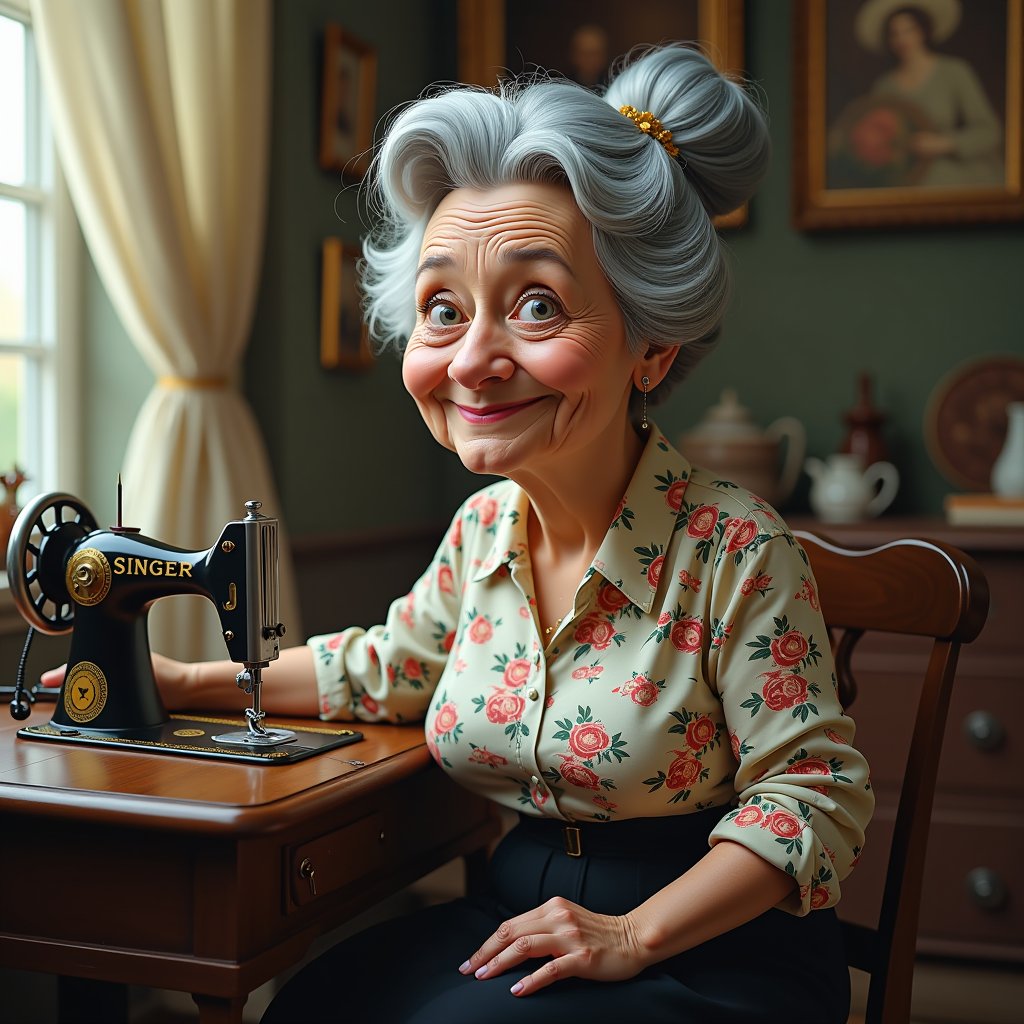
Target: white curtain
(161, 113)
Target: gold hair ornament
(650, 125)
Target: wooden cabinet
(973, 899)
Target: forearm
(727, 887)
(288, 687)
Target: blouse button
(532, 693)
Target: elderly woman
(621, 647)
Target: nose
(483, 355)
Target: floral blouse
(693, 671)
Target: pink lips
(492, 413)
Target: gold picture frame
(873, 145)
(344, 335)
(347, 103)
(484, 46)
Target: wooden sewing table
(194, 874)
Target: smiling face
(518, 361)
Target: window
(36, 230)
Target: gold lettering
(125, 566)
(156, 568)
(119, 569)
(186, 570)
(139, 567)
(171, 568)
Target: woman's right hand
(173, 680)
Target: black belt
(649, 837)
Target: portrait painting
(347, 103)
(344, 335)
(907, 111)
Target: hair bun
(720, 131)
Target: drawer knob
(308, 872)
(987, 889)
(984, 730)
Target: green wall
(811, 311)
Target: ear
(655, 364)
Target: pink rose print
(369, 704)
(611, 599)
(391, 673)
(411, 668)
(820, 897)
(587, 671)
(783, 691)
(550, 702)
(595, 630)
(663, 619)
(684, 771)
(503, 708)
(455, 537)
(578, 774)
(807, 593)
(619, 510)
(603, 801)
(734, 742)
(481, 755)
(700, 732)
(750, 815)
(588, 740)
(432, 747)
(686, 580)
(480, 630)
(446, 719)
(449, 639)
(325, 706)
(674, 495)
(538, 796)
(654, 571)
(783, 824)
(686, 635)
(739, 533)
(445, 580)
(702, 522)
(334, 643)
(406, 613)
(759, 583)
(486, 509)
(516, 672)
(836, 737)
(789, 649)
(809, 766)
(643, 692)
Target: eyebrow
(506, 257)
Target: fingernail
(465, 967)
(481, 971)
(516, 988)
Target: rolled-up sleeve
(804, 791)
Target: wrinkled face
(518, 360)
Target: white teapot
(729, 442)
(843, 491)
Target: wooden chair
(917, 588)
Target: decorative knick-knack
(1008, 469)
(864, 427)
(843, 491)
(9, 509)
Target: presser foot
(255, 734)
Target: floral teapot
(730, 443)
(843, 491)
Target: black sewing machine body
(67, 574)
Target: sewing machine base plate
(193, 737)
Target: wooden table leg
(219, 1009)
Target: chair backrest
(917, 588)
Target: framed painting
(580, 40)
(344, 336)
(347, 103)
(907, 112)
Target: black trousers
(775, 968)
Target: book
(983, 510)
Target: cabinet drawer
(972, 892)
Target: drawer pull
(984, 730)
(308, 872)
(987, 889)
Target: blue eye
(538, 308)
(442, 314)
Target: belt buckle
(573, 845)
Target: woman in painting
(949, 134)
(619, 646)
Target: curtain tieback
(193, 383)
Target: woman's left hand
(581, 944)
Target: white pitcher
(842, 491)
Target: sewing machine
(66, 574)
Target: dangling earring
(644, 425)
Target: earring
(644, 425)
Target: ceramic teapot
(843, 491)
(730, 443)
